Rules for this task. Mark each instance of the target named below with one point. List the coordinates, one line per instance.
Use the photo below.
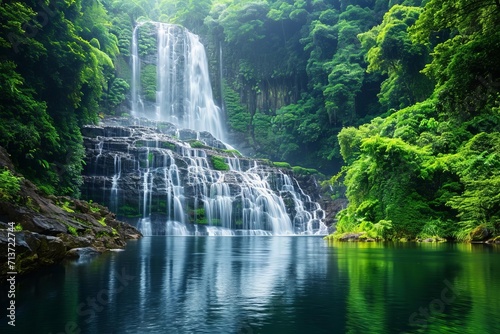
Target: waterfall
(117, 164)
(183, 89)
(176, 190)
(136, 68)
(164, 178)
(221, 77)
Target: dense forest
(397, 100)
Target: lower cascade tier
(174, 228)
(175, 182)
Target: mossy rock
(480, 233)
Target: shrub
(10, 186)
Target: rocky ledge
(47, 228)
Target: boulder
(32, 250)
(187, 134)
(83, 252)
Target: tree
(465, 40)
(391, 52)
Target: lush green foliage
(54, 60)
(391, 52)
(10, 185)
(432, 168)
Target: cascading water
(175, 188)
(114, 183)
(183, 89)
(137, 105)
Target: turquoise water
(266, 285)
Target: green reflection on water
(419, 288)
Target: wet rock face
(190, 178)
(210, 140)
(187, 135)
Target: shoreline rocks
(46, 228)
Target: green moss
(266, 162)
(234, 152)
(148, 81)
(198, 216)
(167, 145)
(298, 170)
(72, 231)
(102, 221)
(219, 163)
(65, 206)
(282, 165)
(18, 228)
(197, 144)
(32, 205)
(94, 209)
(101, 234)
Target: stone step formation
(183, 182)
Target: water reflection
(420, 288)
(267, 285)
(221, 284)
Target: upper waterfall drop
(183, 90)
